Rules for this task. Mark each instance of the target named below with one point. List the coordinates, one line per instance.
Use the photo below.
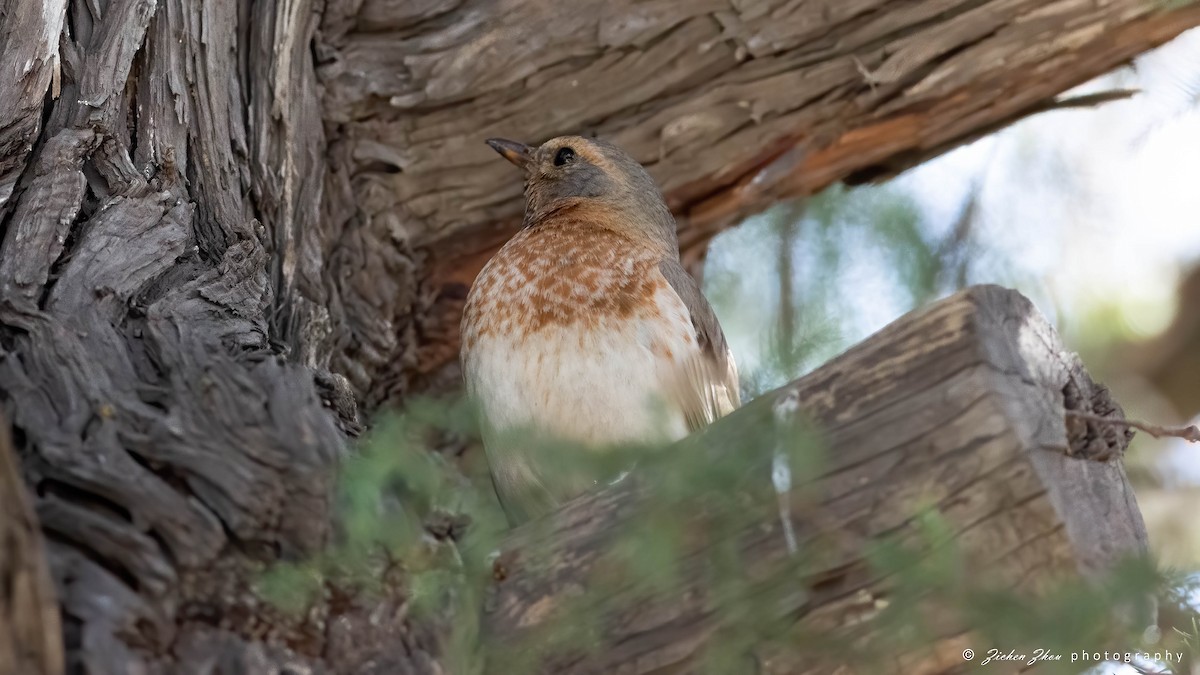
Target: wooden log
(30, 635)
(961, 405)
(206, 206)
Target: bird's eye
(564, 156)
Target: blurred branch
(788, 225)
(1170, 362)
(1091, 100)
(951, 254)
(1189, 433)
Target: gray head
(573, 171)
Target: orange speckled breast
(577, 333)
(573, 334)
(558, 276)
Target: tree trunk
(30, 634)
(229, 225)
(959, 407)
(1171, 360)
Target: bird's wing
(709, 380)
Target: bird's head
(595, 177)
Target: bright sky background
(1114, 189)
(1101, 206)
(1082, 209)
(1086, 209)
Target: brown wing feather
(709, 389)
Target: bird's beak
(517, 153)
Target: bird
(585, 327)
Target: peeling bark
(171, 446)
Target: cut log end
(960, 406)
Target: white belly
(600, 384)
(578, 339)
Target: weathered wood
(147, 280)
(227, 223)
(30, 633)
(29, 39)
(730, 105)
(960, 405)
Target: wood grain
(730, 106)
(959, 406)
(229, 226)
(30, 642)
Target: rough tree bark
(961, 405)
(30, 640)
(227, 223)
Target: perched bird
(585, 326)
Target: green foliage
(402, 505)
(405, 506)
(1060, 618)
(700, 501)
(887, 225)
(292, 588)
(824, 251)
